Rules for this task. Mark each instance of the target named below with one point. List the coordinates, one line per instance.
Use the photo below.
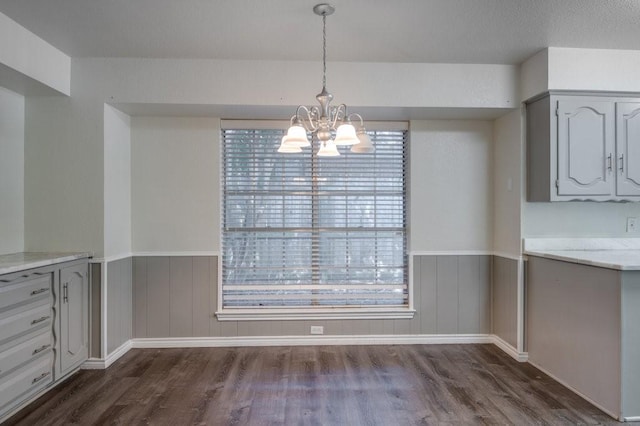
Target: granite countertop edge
(17, 262)
(622, 260)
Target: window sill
(313, 314)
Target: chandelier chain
(324, 50)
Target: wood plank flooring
(313, 385)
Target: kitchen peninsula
(582, 318)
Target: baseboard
(203, 342)
(509, 350)
(193, 342)
(577, 392)
(102, 363)
(632, 419)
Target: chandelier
(326, 120)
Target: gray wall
(177, 297)
(505, 299)
(96, 311)
(119, 303)
(631, 344)
(573, 326)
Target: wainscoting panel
(158, 294)
(119, 303)
(176, 296)
(505, 299)
(455, 294)
(474, 294)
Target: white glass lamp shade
(365, 145)
(296, 136)
(328, 149)
(346, 135)
(287, 148)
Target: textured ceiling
(446, 31)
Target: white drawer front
(25, 321)
(25, 291)
(25, 351)
(33, 376)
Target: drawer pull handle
(40, 349)
(36, 321)
(38, 291)
(40, 377)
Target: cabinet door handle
(39, 320)
(38, 291)
(40, 377)
(622, 162)
(65, 293)
(609, 162)
(40, 349)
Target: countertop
(613, 253)
(16, 262)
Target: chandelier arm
(342, 108)
(355, 114)
(307, 121)
(314, 117)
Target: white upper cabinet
(583, 148)
(628, 148)
(586, 141)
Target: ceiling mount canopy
(326, 120)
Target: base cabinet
(43, 329)
(74, 317)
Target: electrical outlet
(632, 224)
(317, 329)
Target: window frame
(312, 313)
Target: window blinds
(302, 231)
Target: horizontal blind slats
(299, 230)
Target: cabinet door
(628, 148)
(74, 317)
(586, 136)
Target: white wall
(578, 219)
(11, 172)
(64, 175)
(451, 186)
(507, 184)
(117, 183)
(534, 75)
(593, 69)
(287, 83)
(175, 184)
(559, 68)
(28, 55)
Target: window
(311, 237)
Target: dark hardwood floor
(323, 385)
